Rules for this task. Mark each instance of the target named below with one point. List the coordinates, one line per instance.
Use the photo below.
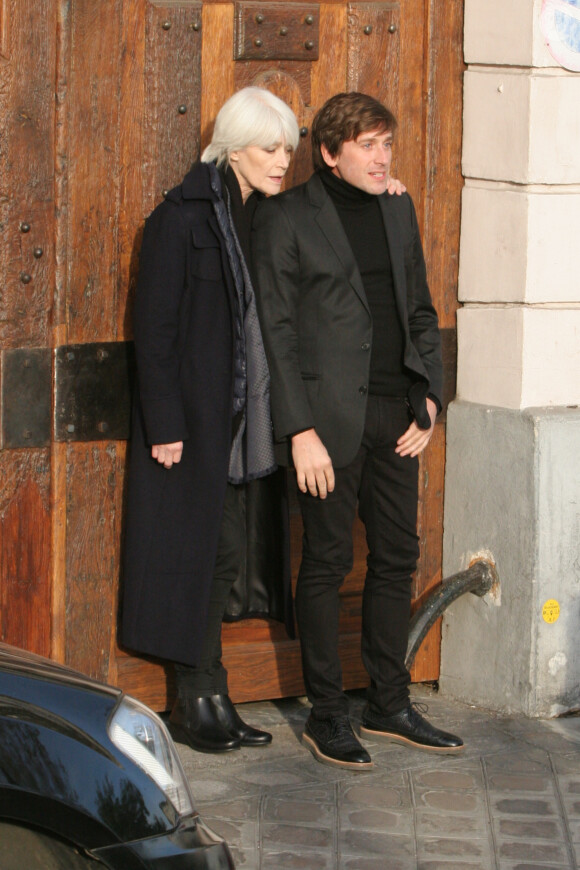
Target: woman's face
(260, 168)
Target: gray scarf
(252, 451)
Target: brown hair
(343, 118)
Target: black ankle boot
(195, 721)
(228, 717)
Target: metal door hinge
(79, 392)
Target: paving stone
(529, 865)
(439, 864)
(240, 809)
(242, 835)
(530, 806)
(536, 829)
(273, 775)
(297, 836)
(520, 782)
(314, 793)
(572, 807)
(450, 801)
(374, 819)
(369, 843)
(292, 860)
(526, 760)
(446, 847)
(245, 859)
(390, 862)
(553, 852)
(448, 779)
(374, 795)
(447, 825)
(297, 812)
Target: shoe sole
(361, 766)
(406, 741)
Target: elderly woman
(201, 429)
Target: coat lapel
(331, 226)
(394, 241)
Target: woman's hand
(167, 454)
(396, 186)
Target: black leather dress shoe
(228, 717)
(410, 728)
(194, 721)
(332, 741)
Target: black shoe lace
(417, 710)
(340, 734)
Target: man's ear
(327, 156)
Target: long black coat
(184, 346)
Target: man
(354, 351)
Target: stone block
(497, 32)
(511, 494)
(521, 125)
(518, 357)
(519, 244)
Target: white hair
(253, 116)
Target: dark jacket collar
(201, 182)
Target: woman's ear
(234, 157)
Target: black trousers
(209, 677)
(385, 487)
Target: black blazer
(316, 321)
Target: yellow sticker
(551, 611)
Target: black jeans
(385, 486)
(209, 677)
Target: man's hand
(396, 186)
(414, 440)
(167, 454)
(314, 471)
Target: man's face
(365, 162)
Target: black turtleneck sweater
(362, 219)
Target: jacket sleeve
(423, 321)
(277, 265)
(160, 289)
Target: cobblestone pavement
(511, 801)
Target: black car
(90, 777)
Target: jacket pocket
(206, 262)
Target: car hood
(21, 661)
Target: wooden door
(103, 109)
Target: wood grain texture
(132, 136)
(27, 174)
(25, 551)
(94, 484)
(172, 97)
(5, 19)
(410, 142)
(218, 67)
(444, 181)
(92, 157)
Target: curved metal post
(478, 578)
